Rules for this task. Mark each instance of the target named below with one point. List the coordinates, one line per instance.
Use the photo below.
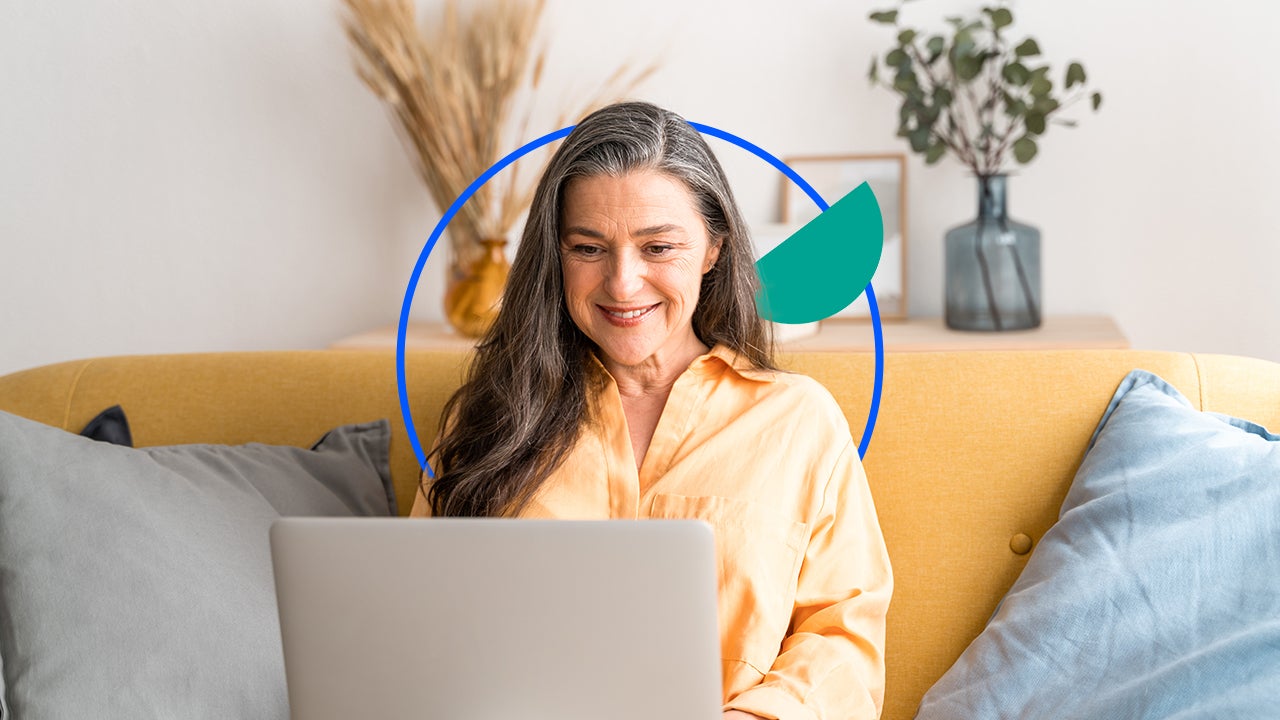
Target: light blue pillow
(1157, 592)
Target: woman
(628, 375)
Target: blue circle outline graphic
(403, 326)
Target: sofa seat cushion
(1155, 593)
(137, 582)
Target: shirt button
(1020, 544)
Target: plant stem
(1032, 309)
(977, 115)
(985, 184)
(986, 280)
(993, 93)
(960, 149)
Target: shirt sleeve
(831, 665)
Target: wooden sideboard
(1064, 332)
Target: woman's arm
(421, 506)
(831, 666)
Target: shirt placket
(672, 428)
(620, 467)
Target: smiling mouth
(627, 314)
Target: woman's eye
(658, 249)
(587, 250)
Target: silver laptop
(482, 619)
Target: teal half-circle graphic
(825, 265)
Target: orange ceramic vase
(472, 303)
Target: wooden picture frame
(834, 176)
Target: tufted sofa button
(1020, 544)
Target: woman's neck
(656, 374)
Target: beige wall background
(190, 177)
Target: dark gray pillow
(110, 426)
(136, 583)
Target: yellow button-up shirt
(768, 460)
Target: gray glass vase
(993, 266)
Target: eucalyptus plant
(975, 91)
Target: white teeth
(629, 314)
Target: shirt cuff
(771, 702)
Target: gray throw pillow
(137, 583)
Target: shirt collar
(736, 362)
(720, 354)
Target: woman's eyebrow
(643, 232)
(584, 231)
(658, 229)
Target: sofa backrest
(969, 451)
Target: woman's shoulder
(807, 392)
(789, 396)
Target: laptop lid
(485, 619)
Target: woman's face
(633, 250)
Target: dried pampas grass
(453, 88)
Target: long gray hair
(518, 415)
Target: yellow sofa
(969, 462)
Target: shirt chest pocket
(758, 554)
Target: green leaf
(955, 21)
(1041, 86)
(874, 73)
(936, 45)
(968, 67)
(897, 58)
(934, 153)
(1064, 123)
(963, 45)
(906, 36)
(920, 139)
(1024, 149)
(942, 96)
(1035, 122)
(1015, 73)
(1001, 18)
(1045, 105)
(884, 17)
(1013, 107)
(1096, 99)
(1075, 74)
(905, 82)
(1027, 48)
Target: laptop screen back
(484, 619)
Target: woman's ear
(713, 254)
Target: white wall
(214, 177)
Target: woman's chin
(626, 354)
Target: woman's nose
(625, 274)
